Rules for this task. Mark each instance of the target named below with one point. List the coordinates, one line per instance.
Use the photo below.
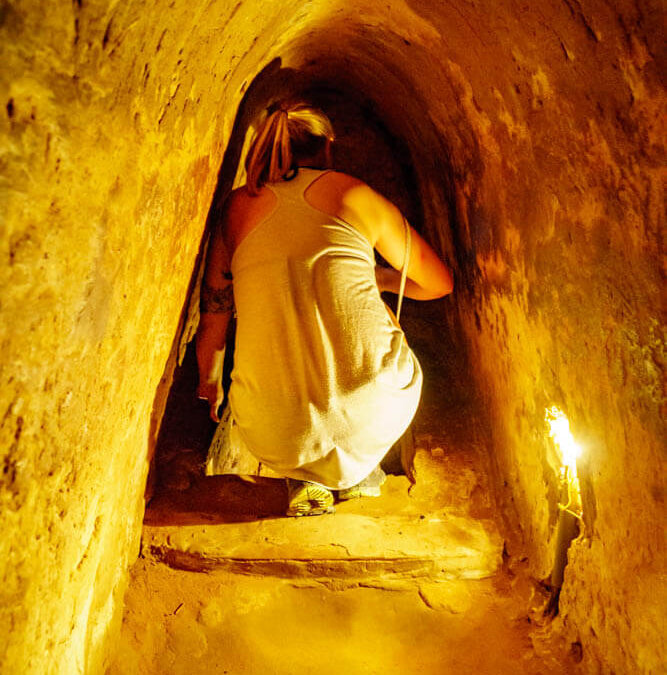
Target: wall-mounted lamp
(570, 495)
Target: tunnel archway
(535, 132)
(365, 148)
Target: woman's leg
(371, 486)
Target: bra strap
(404, 274)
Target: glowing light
(559, 430)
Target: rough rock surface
(536, 134)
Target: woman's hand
(211, 359)
(213, 393)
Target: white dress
(324, 382)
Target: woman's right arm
(216, 304)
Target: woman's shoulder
(240, 201)
(235, 205)
(348, 198)
(341, 187)
(238, 196)
(340, 179)
(357, 194)
(243, 211)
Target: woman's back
(324, 381)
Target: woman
(324, 382)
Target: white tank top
(324, 382)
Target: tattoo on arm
(216, 300)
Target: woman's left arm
(428, 277)
(384, 226)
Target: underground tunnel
(525, 143)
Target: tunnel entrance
(440, 544)
(365, 148)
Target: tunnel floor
(415, 581)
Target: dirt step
(353, 569)
(388, 536)
(183, 623)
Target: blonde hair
(290, 130)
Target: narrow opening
(438, 527)
(446, 448)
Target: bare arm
(216, 304)
(384, 225)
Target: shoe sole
(310, 500)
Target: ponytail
(290, 130)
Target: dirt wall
(538, 146)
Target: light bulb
(559, 430)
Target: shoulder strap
(293, 189)
(309, 179)
(404, 274)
